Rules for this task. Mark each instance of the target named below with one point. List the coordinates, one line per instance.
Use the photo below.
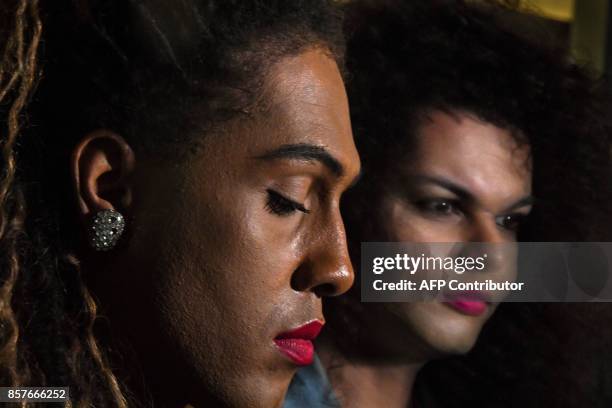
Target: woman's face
(231, 250)
(468, 181)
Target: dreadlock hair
(156, 72)
(18, 73)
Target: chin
(255, 391)
(440, 330)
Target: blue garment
(310, 388)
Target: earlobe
(101, 165)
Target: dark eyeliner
(280, 205)
(516, 218)
(429, 205)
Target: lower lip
(300, 351)
(297, 343)
(469, 307)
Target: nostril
(326, 289)
(303, 280)
(323, 279)
(299, 281)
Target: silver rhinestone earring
(106, 229)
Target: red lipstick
(297, 344)
(468, 303)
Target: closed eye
(283, 206)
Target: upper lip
(467, 295)
(307, 331)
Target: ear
(102, 164)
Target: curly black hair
(159, 73)
(406, 59)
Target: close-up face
(231, 250)
(468, 181)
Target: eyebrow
(464, 194)
(306, 152)
(523, 202)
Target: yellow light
(560, 10)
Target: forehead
(306, 100)
(303, 103)
(479, 155)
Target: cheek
(234, 255)
(234, 262)
(224, 287)
(206, 273)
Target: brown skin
(214, 264)
(484, 162)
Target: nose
(485, 236)
(326, 269)
(485, 229)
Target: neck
(369, 382)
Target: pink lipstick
(469, 303)
(297, 344)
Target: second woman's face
(219, 287)
(468, 181)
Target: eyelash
(517, 219)
(282, 206)
(454, 207)
(429, 206)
